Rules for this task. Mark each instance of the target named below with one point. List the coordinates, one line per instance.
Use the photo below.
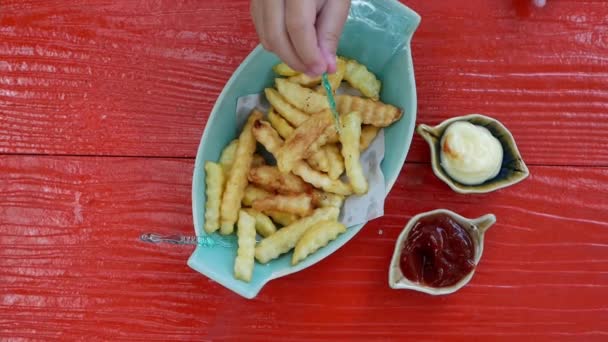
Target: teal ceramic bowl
(377, 34)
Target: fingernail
(315, 70)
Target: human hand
(303, 33)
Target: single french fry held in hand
(214, 177)
(253, 193)
(297, 146)
(368, 133)
(271, 179)
(305, 99)
(243, 264)
(350, 138)
(295, 116)
(336, 78)
(325, 199)
(227, 156)
(286, 238)
(284, 219)
(300, 204)
(283, 69)
(372, 112)
(336, 162)
(237, 179)
(263, 223)
(362, 79)
(316, 237)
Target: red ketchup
(438, 252)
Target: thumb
(330, 23)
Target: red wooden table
(102, 104)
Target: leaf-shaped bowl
(378, 34)
(512, 171)
(476, 229)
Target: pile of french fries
(304, 192)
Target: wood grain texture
(139, 78)
(71, 266)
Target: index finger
(300, 17)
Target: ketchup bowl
(425, 256)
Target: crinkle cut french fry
(237, 179)
(253, 193)
(283, 69)
(295, 116)
(336, 162)
(303, 98)
(336, 78)
(268, 137)
(362, 79)
(297, 146)
(243, 264)
(316, 237)
(227, 156)
(279, 124)
(326, 199)
(320, 180)
(350, 139)
(271, 179)
(214, 177)
(263, 223)
(286, 238)
(368, 133)
(372, 112)
(284, 219)
(300, 204)
(305, 80)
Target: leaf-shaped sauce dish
(511, 170)
(414, 253)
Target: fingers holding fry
(317, 236)
(350, 139)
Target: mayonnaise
(470, 154)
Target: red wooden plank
(71, 266)
(139, 78)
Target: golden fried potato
(297, 146)
(283, 69)
(253, 193)
(336, 78)
(372, 112)
(300, 204)
(295, 116)
(320, 180)
(286, 238)
(362, 79)
(243, 264)
(284, 219)
(257, 161)
(267, 136)
(336, 162)
(214, 177)
(368, 133)
(350, 138)
(304, 99)
(271, 179)
(316, 237)
(227, 156)
(279, 124)
(305, 80)
(237, 179)
(326, 199)
(263, 223)
(319, 160)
